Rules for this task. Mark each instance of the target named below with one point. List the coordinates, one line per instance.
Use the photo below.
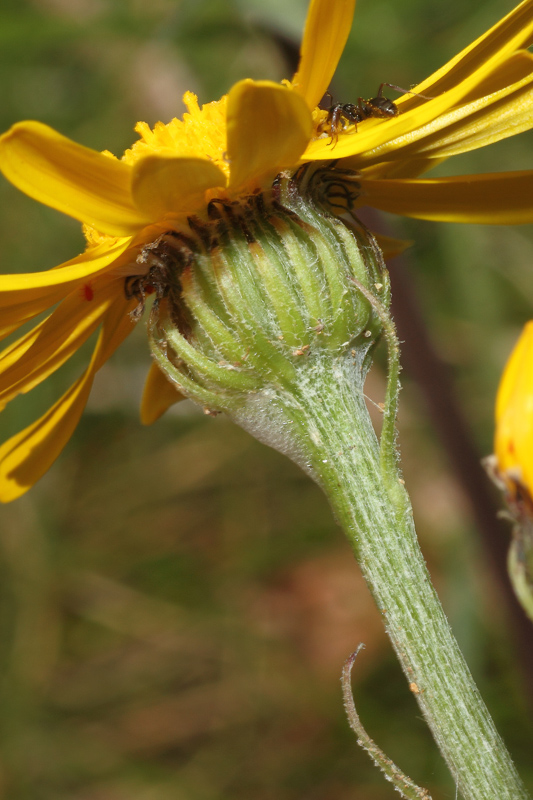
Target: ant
(340, 115)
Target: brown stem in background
(423, 363)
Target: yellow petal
(403, 168)
(512, 69)
(486, 120)
(513, 32)
(326, 30)
(117, 326)
(29, 454)
(268, 129)
(158, 395)
(449, 87)
(514, 413)
(41, 351)
(89, 186)
(405, 135)
(479, 124)
(19, 313)
(515, 370)
(169, 184)
(494, 198)
(23, 296)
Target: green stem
(345, 456)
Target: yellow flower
(229, 149)
(513, 442)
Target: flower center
(200, 134)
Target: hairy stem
(379, 524)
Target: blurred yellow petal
(268, 129)
(158, 395)
(89, 186)
(41, 351)
(515, 371)
(164, 184)
(514, 413)
(493, 199)
(20, 313)
(29, 454)
(117, 326)
(326, 31)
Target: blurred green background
(176, 602)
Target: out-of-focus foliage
(176, 602)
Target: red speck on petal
(87, 292)
(510, 448)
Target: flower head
(229, 149)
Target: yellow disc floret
(201, 133)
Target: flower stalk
(381, 530)
(275, 326)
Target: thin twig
(401, 782)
